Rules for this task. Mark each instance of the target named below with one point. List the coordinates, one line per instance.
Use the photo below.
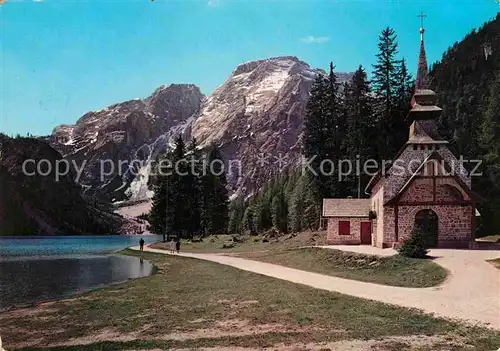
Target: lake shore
(39, 269)
(193, 304)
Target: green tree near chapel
(390, 80)
(324, 126)
(361, 126)
(215, 207)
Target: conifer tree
(236, 212)
(261, 207)
(159, 218)
(215, 195)
(247, 221)
(194, 190)
(322, 133)
(279, 212)
(178, 190)
(404, 94)
(361, 132)
(385, 84)
(304, 208)
(490, 133)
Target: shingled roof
(346, 207)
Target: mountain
(37, 202)
(256, 117)
(115, 146)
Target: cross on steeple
(422, 16)
(422, 29)
(423, 71)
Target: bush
(228, 245)
(414, 247)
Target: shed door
(366, 233)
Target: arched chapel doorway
(427, 222)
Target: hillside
(465, 79)
(38, 204)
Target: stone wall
(374, 232)
(420, 190)
(389, 236)
(378, 185)
(410, 160)
(448, 189)
(454, 223)
(333, 237)
(377, 205)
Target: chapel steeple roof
(424, 111)
(422, 81)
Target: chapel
(425, 186)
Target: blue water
(34, 269)
(68, 245)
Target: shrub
(414, 247)
(228, 245)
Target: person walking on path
(172, 246)
(178, 245)
(141, 244)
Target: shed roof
(346, 207)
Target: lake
(42, 268)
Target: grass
(489, 238)
(296, 252)
(192, 304)
(495, 262)
(395, 270)
(249, 243)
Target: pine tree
(236, 212)
(361, 132)
(178, 190)
(161, 214)
(304, 209)
(215, 195)
(247, 221)
(279, 212)
(404, 94)
(322, 133)
(490, 134)
(194, 190)
(385, 82)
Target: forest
(366, 118)
(360, 120)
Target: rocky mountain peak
(174, 100)
(272, 62)
(258, 110)
(126, 132)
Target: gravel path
(471, 292)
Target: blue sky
(62, 58)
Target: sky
(62, 58)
